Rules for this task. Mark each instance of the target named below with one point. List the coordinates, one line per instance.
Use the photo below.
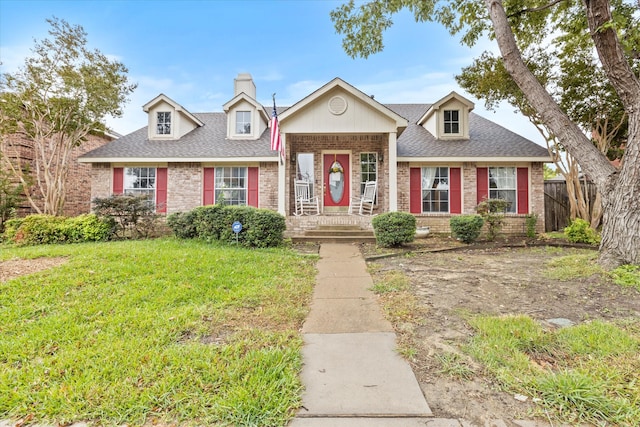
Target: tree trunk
(621, 220)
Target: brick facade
(439, 222)
(78, 187)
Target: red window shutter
(415, 190)
(209, 177)
(252, 187)
(118, 180)
(161, 190)
(455, 191)
(482, 182)
(523, 190)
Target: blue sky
(192, 50)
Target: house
(433, 160)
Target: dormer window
(163, 125)
(451, 121)
(243, 122)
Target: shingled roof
(209, 142)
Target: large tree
(49, 107)
(364, 25)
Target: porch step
(336, 233)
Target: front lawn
(154, 331)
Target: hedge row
(44, 229)
(261, 228)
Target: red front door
(336, 180)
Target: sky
(192, 50)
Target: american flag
(276, 140)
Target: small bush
(394, 228)
(183, 224)
(531, 221)
(492, 212)
(466, 227)
(579, 231)
(133, 215)
(47, 229)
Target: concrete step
(339, 232)
(333, 239)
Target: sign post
(236, 227)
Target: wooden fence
(556, 203)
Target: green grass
(584, 373)
(579, 265)
(131, 332)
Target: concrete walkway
(352, 373)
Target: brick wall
(184, 187)
(78, 191)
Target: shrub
(87, 228)
(579, 231)
(132, 215)
(466, 227)
(531, 221)
(183, 224)
(45, 229)
(394, 228)
(492, 212)
(261, 228)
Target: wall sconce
(381, 157)
(293, 158)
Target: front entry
(336, 181)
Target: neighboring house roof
(209, 142)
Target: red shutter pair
(415, 190)
(209, 198)
(161, 186)
(522, 187)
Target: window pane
(368, 169)
(140, 180)
(435, 189)
(502, 185)
(451, 121)
(163, 126)
(230, 188)
(305, 171)
(243, 122)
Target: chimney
(244, 83)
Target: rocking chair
(305, 204)
(366, 202)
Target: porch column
(393, 172)
(282, 174)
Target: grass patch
(177, 331)
(575, 266)
(584, 373)
(627, 275)
(452, 364)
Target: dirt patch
(493, 280)
(13, 268)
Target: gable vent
(337, 105)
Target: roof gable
(177, 107)
(339, 107)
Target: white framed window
(243, 122)
(230, 185)
(140, 180)
(163, 123)
(435, 189)
(502, 185)
(451, 121)
(368, 170)
(305, 170)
